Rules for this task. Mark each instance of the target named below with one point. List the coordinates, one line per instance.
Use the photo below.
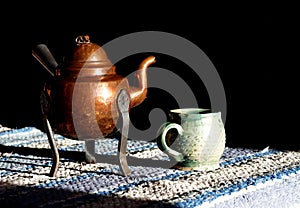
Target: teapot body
(84, 107)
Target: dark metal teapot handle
(46, 59)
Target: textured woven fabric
(3, 128)
(246, 177)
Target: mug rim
(193, 111)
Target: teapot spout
(139, 94)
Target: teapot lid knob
(82, 39)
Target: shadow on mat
(63, 194)
(25, 196)
(81, 156)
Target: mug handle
(161, 140)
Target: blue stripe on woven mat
(22, 135)
(32, 132)
(25, 167)
(20, 130)
(209, 196)
(246, 157)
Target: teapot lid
(90, 57)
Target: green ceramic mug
(194, 137)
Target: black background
(253, 50)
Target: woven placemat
(246, 177)
(3, 128)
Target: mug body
(201, 141)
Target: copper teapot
(80, 101)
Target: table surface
(245, 178)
